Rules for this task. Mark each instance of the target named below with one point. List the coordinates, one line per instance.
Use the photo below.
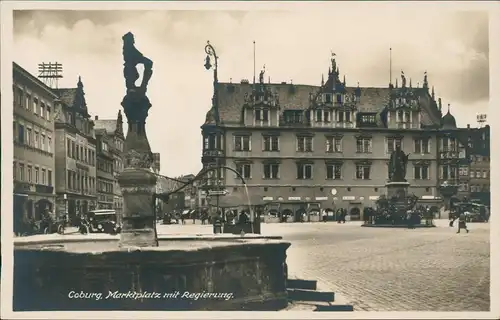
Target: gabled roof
(66, 95)
(231, 97)
(107, 126)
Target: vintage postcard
(235, 159)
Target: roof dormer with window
(261, 106)
(404, 108)
(333, 105)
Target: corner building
(305, 147)
(34, 137)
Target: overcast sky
(451, 46)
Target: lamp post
(210, 51)
(65, 197)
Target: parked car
(102, 221)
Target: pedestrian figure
(324, 215)
(343, 215)
(461, 223)
(217, 222)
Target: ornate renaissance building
(323, 147)
(110, 141)
(76, 160)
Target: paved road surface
(378, 269)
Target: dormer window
(343, 116)
(406, 116)
(293, 116)
(368, 118)
(319, 115)
(262, 116)
(339, 98)
(322, 116)
(327, 98)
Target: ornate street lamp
(211, 53)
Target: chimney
(96, 118)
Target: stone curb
(396, 226)
(84, 238)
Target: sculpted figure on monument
(132, 57)
(135, 103)
(397, 165)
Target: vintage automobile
(102, 221)
(474, 212)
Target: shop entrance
(355, 213)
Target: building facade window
(304, 171)
(262, 115)
(36, 138)
(333, 171)
(364, 145)
(49, 144)
(20, 134)
(42, 142)
(391, 144)
(37, 175)
(242, 143)
(363, 172)
(35, 106)
(28, 102)
(333, 144)
(463, 171)
(463, 186)
(304, 144)
(21, 172)
(44, 176)
(271, 143)
(421, 172)
(448, 172)
(448, 144)
(49, 178)
(30, 173)
(421, 146)
(271, 171)
(244, 169)
(42, 110)
(29, 134)
(322, 115)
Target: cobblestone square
(378, 269)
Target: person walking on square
(461, 223)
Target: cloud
(294, 45)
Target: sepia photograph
(297, 157)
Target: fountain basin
(210, 273)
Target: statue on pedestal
(397, 165)
(137, 182)
(136, 104)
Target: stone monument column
(137, 181)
